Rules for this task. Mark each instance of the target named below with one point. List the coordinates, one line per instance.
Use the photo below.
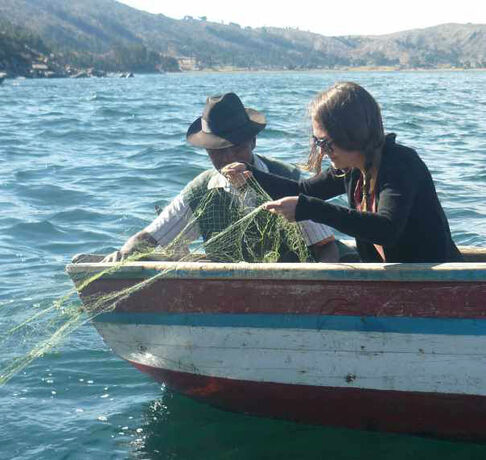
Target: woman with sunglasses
(395, 214)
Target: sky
(325, 17)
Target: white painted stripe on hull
(371, 360)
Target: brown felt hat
(225, 123)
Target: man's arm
(320, 240)
(142, 242)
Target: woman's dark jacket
(409, 223)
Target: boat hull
(383, 351)
(429, 414)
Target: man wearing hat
(227, 130)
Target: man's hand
(116, 256)
(141, 242)
(326, 251)
(284, 207)
(236, 173)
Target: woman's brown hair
(352, 118)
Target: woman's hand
(284, 207)
(236, 173)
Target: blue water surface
(82, 164)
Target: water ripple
(84, 161)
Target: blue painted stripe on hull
(447, 326)
(394, 273)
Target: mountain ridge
(91, 32)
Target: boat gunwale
(403, 272)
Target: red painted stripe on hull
(417, 299)
(442, 415)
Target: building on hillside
(187, 63)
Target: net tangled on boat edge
(226, 226)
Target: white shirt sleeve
(173, 220)
(314, 233)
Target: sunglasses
(323, 143)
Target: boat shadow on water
(181, 428)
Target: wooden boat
(390, 347)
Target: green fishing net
(227, 225)
(235, 228)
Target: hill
(113, 36)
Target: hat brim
(196, 136)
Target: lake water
(82, 163)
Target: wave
(51, 195)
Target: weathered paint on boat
(393, 347)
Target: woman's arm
(396, 197)
(324, 186)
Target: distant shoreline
(227, 70)
(347, 69)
